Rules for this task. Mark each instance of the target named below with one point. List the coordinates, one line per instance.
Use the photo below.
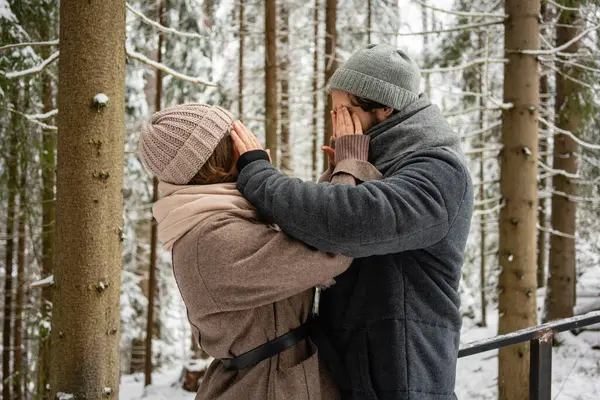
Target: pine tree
(315, 92)
(330, 66)
(560, 298)
(89, 200)
(544, 149)
(242, 36)
(284, 76)
(271, 111)
(518, 185)
(153, 229)
(12, 171)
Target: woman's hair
(368, 105)
(218, 168)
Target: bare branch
(462, 13)
(164, 28)
(484, 149)
(469, 64)
(454, 29)
(559, 48)
(555, 232)
(558, 171)
(570, 134)
(483, 130)
(164, 68)
(557, 5)
(16, 45)
(32, 70)
(32, 119)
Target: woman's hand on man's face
(343, 124)
(244, 140)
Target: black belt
(269, 349)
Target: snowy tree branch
(32, 118)
(559, 48)
(558, 171)
(469, 64)
(140, 57)
(555, 232)
(557, 5)
(16, 45)
(484, 149)
(490, 210)
(559, 131)
(483, 130)
(454, 29)
(461, 13)
(32, 70)
(162, 27)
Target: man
(392, 319)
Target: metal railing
(540, 338)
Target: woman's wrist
(353, 147)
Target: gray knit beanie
(179, 140)
(381, 73)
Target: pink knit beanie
(179, 140)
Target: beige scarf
(181, 208)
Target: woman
(246, 285)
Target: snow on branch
(484, 149)
(48, 281)
(469, 64)
(555, 232)
(557, 5)
(480, 203)
(560, 131)
(489, 210)
(34, 118)
(562, 47)
(15, 45)
(569, 77)
(461, 13)
(32, 70)
(480, 131)
(47, 115)
(553, 171)
(164, 68)
(162, 27)
(454, 29)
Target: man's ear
(388, 111)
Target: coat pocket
(301, 381)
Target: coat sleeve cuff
(359, 169)
(249, 157)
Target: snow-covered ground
(575, 371)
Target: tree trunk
(369, 20)
(426, 50)
(242, 34)
(12, 172)
(153, 231)
(19, 372)
(560, 298)
(315, 82)
(330, 67)
(544, 148)
(89, 200)
(284, 64)
(482, 195)
(271, 79)
(518, 185)
(47, 166)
